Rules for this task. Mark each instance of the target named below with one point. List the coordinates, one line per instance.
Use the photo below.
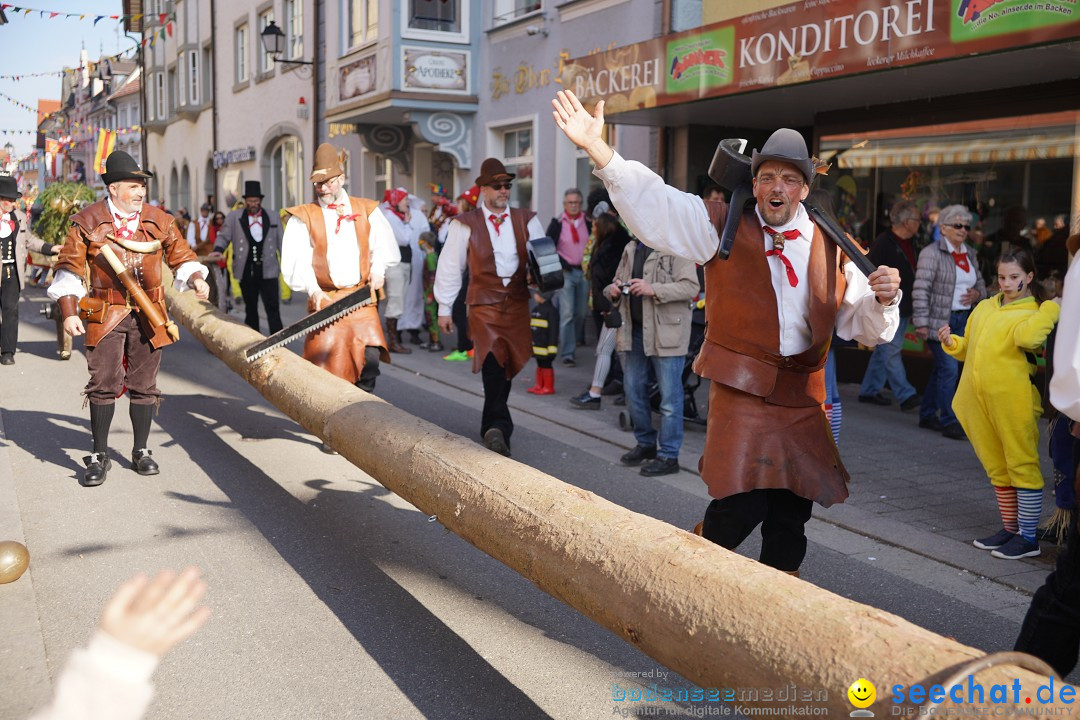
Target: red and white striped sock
(1006, 500)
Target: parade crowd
(638, 271)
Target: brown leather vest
(81, 255)
(312, 215)
(742, 338)
(485, 285)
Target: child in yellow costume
(997, 403)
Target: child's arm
(960, 343)
(1031, 334)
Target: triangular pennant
(162, 18)
(168, 29)
(98, 19)
(161, 35)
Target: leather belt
(116, 297)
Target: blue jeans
(886, 364)
(573, 305)
(940, 388)
(636, 384)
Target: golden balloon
(14, 559)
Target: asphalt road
(331, 596)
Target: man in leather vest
(772, 308)
(117, 329)
(332, 247)
(493, 251)
(16, 242)
(256, 239)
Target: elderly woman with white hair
(947, 286)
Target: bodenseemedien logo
(862, 694)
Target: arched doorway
(174, 190)
(185, 191)
(286, 174)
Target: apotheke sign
(228, 157)
(435, 71)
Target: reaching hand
(202, 290)
(154, 615)
(73, 326)
(446, 324)
(56, 249)
(885, 282)
(377, 282)
(944, 336)
(583, 129)
(922, 332)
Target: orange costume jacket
(339, 346)
(89, 232)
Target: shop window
(193, 76)
(685, 15)
(159, 95)
(518, 157)
(172, 88)
(240, 53)
(384, 175)
(441, 16)
(508, 10)
(286, 178)
(584, 178)
(363, 22)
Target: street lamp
(273, 41)
(9, 159)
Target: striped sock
(1030, 508)
(836, 419)
(1006, 500)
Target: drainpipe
(315, 81)
(213, 94)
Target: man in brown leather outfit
(490, 242)
(141, 236)
(331, 248)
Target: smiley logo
(862, 693)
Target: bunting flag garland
(51, 14)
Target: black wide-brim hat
(252, 188)
(788, 146)
(492, 171)
(120, 166)
(9, 189)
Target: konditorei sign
(811, 40)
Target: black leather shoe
(875, 399)
(953, 431)
(495, 441)
(586, 401)
(142, 463)
(660, 466)
(638, 455)
(97, 468)
(7, 359)
(931, 424)
(911, 403)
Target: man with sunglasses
(772, 308)
(331, 248)
(490, 242)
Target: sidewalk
(910, 487)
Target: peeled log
(717, 618)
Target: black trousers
(496, 393)
(9, 308)
(460, 315)
(782, 515)
(370, 371)
(252, 287)
(1051, 629)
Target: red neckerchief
(778, 239)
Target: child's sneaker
(456, 356)
(994, 541)
(1018, 547)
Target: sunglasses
(960, 226)
(500, 186)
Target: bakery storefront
(938, 101)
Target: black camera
(625, 287)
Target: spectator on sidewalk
(431, 305)
(463, 352)
(611, 241)
(895, 247)
(395, 207)
(544, 321)
(198, 232)
(570, 231)
(947, 284)
(110, 678)
(656, 289)
(998, 405)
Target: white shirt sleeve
(1065, 384)
(535, 228)
(662, 217)
(191, 228)
(107, 680)
(861, 317)
(64, 283)
(296, 252)
(185, 271)
(451, 266)
(384, 248)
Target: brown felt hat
(492, 171)
(328, 164)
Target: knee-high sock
(1029, 504)
(1006, 500)
(100, 420)
(140, 424)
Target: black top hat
(9, 189)
(785, 145)
(492, 170)
(252, 188)
(120, 166)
